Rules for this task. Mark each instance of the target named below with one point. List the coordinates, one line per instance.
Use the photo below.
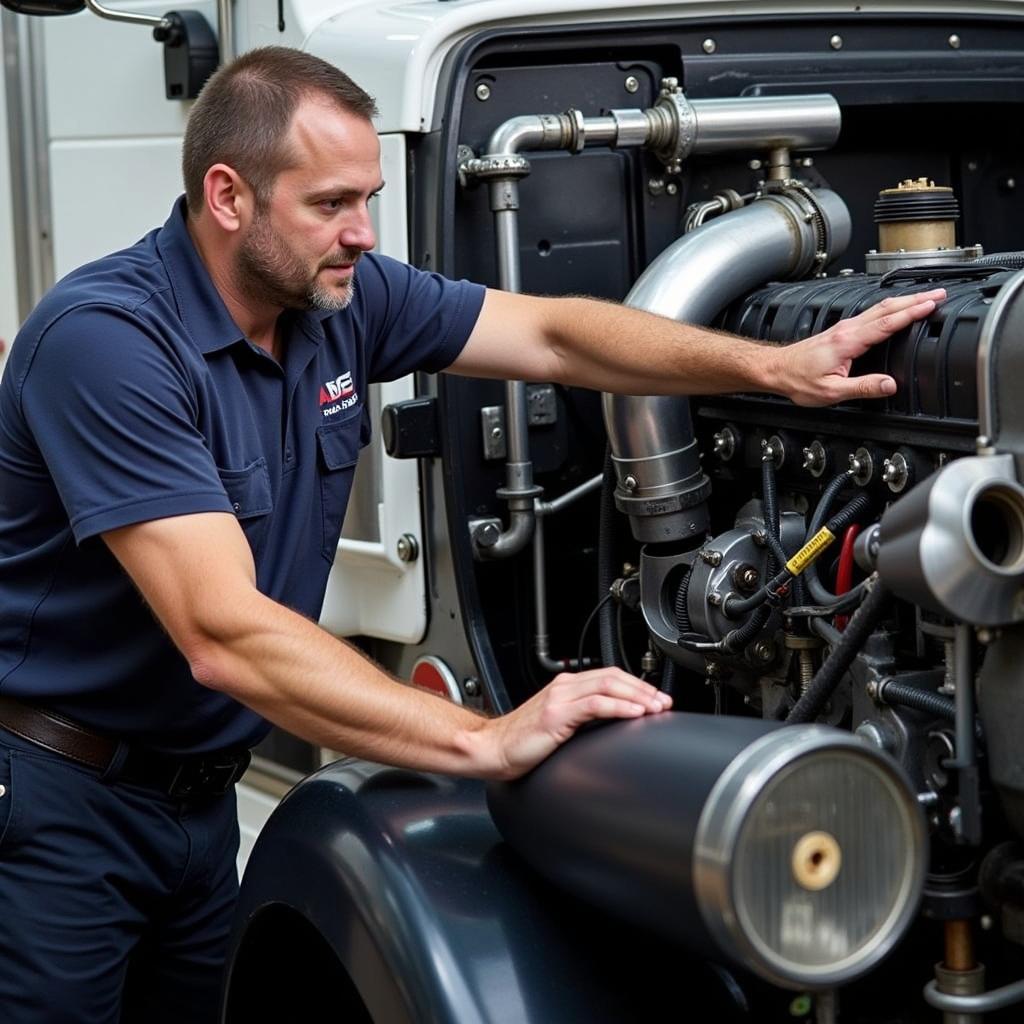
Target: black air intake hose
(1009, 260)
(890, 691)
(827, 678)
(610, 654)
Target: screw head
(836, 42)
(483, 92)
(672, 188)
(632, 83)
(470, 687)
(656, 186)
(755, 164)
(954, 41)
(630, 484)
(709, 45)
(486, 536)
(408, 548)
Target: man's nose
(358, 232)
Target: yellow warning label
(810, 551)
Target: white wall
(8, 289)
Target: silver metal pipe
(126, 16)
(735, 124)
(529, 131)
(547, 508)
(225, 30)
(986, 1002)
(692, 281)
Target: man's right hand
(521, 739)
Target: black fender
(429, 916)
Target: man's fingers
(613, 682)
(871, 385)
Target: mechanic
(179, 426)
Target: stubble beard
(268, 271)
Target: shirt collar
(200, 306)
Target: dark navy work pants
(115, 901)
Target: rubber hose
(894, 692)
(611, 657)
(1010, 260)
(832, 670)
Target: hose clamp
(509, 166)
(673, 124)
(811, 213)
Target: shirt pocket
(248, 490)
(338, 445)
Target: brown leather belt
(181, 778)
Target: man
(172, 485)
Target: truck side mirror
(191, 53)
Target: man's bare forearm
(304, 680)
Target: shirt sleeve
(416, 320)
(113, 413)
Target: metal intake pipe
(675, 128)
(785, 234)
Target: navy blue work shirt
(129, 395)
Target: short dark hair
(243, 113)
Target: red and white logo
(337, 389)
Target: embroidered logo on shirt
(338, 394)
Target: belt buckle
(208, 776)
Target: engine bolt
(629, 485)
(896, 472)
(714, 599)
(815, 458)
(724, 444)
(745, 577)
(754, 165)
(872, 689)
(764, 650)
(836, 42)
(408, 548)
(672, 188)
(470, 687)
(861, 466)
(710, 557)
(709, 45)
(632, 83)
(954, 41)
(760, 538)
(487, 535)
(483, 92)
(656, 186)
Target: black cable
(840, 603)
(682, 613)
(860, 503)
(622, 645)
(586, 625)
(610, 655)
(893, 692)
(834, 667)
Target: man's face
(301, 248)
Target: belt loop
(113, 769)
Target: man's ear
(227, 197)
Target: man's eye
(331, 204)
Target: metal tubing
(766, 122)
(692, 281)
(225, 30)
(964, 682)
(546, 508)
(986, 1002)
(959, 946)
(541, 510)
(135, 19)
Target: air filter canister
(799, 851)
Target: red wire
(844, 574)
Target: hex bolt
(836, 42)
(764, 650)
(709, 45)
(656, 186)
(630, 484)
(745, 577)
(755, 165)
(714, 599)
(861, 466)
(760, 538)
(496, 433)
(815, 458)
(408, 548)
(632, 83)
(483, 92)
(872, 689)
(710, 557)
(672, 188)
(486, 536)
(954, 42)
(470, 687)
